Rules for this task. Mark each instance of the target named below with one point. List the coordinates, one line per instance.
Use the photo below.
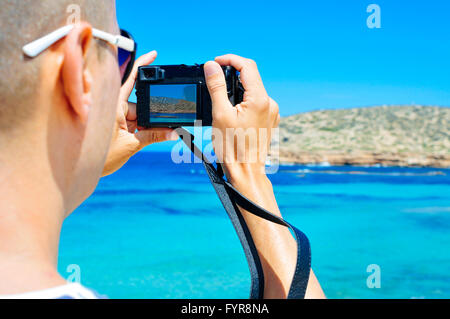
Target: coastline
(401, 136)
(365, 159)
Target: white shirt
(68, 291)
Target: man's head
(58, 109)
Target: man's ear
(75, 75)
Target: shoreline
(303, 172)
(326, 164)
(365, 159)
(392, 136)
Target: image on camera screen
(173, 103)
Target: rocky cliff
(385, 135)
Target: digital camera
(176, 95)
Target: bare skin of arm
(276, 246)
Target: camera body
(177, 95)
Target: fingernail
(211, 69)
(172, 136)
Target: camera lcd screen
(173, 103)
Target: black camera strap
(231, 198)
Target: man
(65, 121)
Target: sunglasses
(126, 58)
(126, 46)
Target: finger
(132, 126)
(128, 86)
(131, 114)
(155, 135)
(274, 113)
(215, 80)
(250, 77)
(277, 121)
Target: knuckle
(156, 137)
(251, 63)
(218, 122)
(260, 102)
(264, 103)
(274, 111)
(217, 118)
(251, 101)
(216, 86)
(275, 106)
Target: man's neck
(31, 216)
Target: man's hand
(254, 117)
(244, 165)
(127, 138)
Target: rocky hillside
(164, 104)
(386, 135)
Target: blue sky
(312, 54)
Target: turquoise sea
(157, 230)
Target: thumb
(217, 87)
(156, 135)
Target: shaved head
(21, 22)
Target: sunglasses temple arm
(35, 48)
(121, 41)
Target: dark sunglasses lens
(124, 57)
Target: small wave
(322, 164)
(427, 210)
(336, 172)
